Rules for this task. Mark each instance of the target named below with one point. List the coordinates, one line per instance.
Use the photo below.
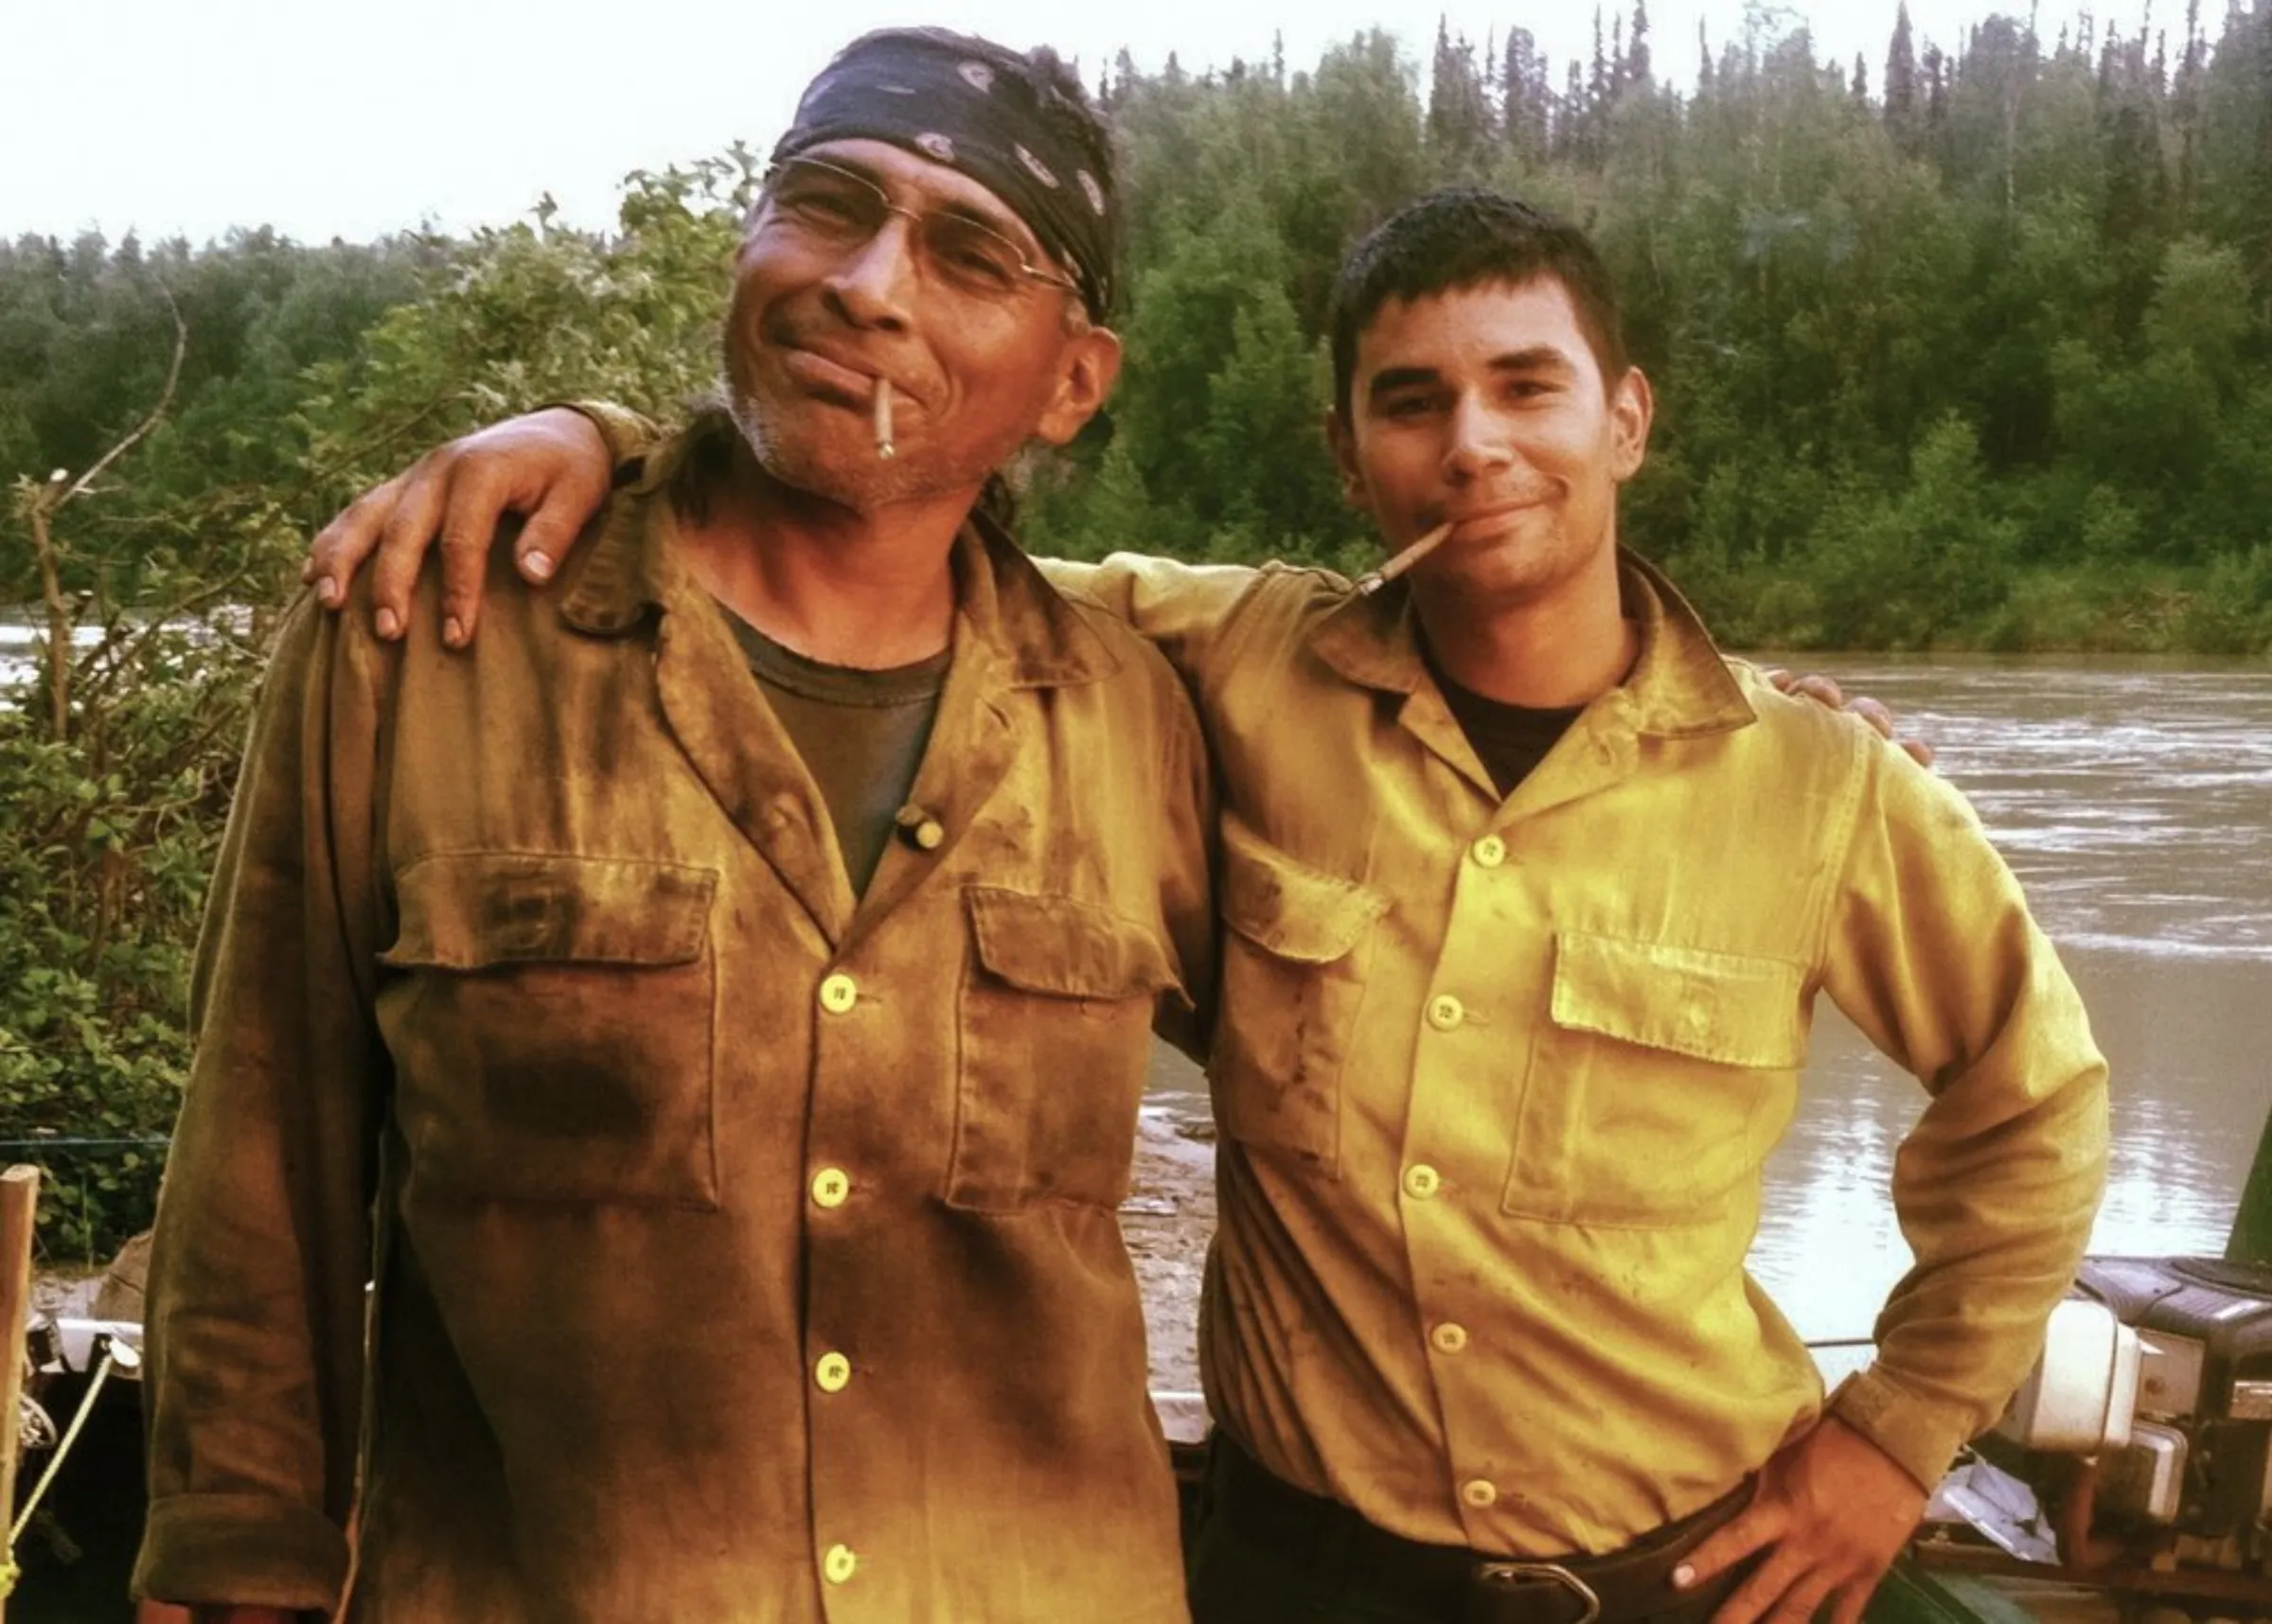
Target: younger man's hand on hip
(1830, 1513)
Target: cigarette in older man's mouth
(884, 447)
(1373, 580)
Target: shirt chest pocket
(1291, 987)
(1660, 1082)
(1054, 1029)
(553, 1029)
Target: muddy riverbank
(1167, 1220)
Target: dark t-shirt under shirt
(862, 734)
(1510, 740)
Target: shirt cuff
(252, 1550)
(629, 434)
(1921, 1435)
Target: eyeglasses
(844, 209)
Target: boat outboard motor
(2146, 1428)
(2171, 1359)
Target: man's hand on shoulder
(1830, 1513)
(1825, 691)
(552, 466)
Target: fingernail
(390, 625)
(537, 567)
(307, 570)
(327, 591)
(1684, 1577)
(453, 632)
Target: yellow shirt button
(839, 1564)
(1481, 1492)
(1448, 1338)
(832, 1372)
(920, 826)
(1489, 852)
(1445, 1012)
(831, 1186)
(1422, 1181)
(839, 993)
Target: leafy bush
(112, 832)
(112, 820)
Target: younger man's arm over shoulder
(1184, 609)
(1188, 839)
(256, 1297)
(1930, 949)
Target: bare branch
(173, 376)
(36, 509)
(128, 648)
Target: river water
(2134, 799)
(2135, 802)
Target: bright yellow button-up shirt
(1514, 1065)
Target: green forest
(1967, 345)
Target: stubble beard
(857, 477)
(795, 443)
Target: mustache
(1470, 508)
(830, 346)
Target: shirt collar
(622, 570)
(1679, 687)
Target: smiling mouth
(1482, 517)
(830, 379)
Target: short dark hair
(1470, 237)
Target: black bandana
(937, 94)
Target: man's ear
(1086, 372)
(1632, 407)
(1343, 442)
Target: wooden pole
(2251, 1240)
(43, 501)
(19, 1206)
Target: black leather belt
(1463, 1586)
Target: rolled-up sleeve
(256, 1302)
(1932, 953)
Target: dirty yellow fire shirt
(743, 1253)
(1495, 1078)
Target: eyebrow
(1004, 224)
(1537, 358)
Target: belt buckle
(1516, 1572)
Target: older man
(713, 1011)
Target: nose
(1477, 443)
(872, 285)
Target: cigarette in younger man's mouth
(884, 447)
(1373, 580)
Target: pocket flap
(1732, 1008)
(471, 910)
(1064, 947)
(1284, 907)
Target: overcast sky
(326, 120)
